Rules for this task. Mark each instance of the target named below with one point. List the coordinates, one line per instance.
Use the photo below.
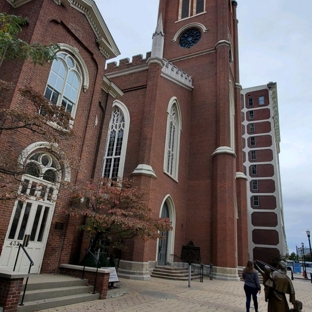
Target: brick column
(11, 284)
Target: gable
(90, 10)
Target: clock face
(190, 37)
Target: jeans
(251, 291)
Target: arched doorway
(32, 213)
(163, 242)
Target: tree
(115, 212)
(293, 256)
(33, 113)
(12, 47)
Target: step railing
(31, 263)
(97, 268)
(198, 265)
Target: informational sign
(113, 277)
(297, 267)
(190, 253)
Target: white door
(32, 217)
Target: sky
(275, 44)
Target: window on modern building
(253, 155)
(252, 141)
(251, 114)
(64, 83)
(191, 7)
(251, 127)
(254, 169)
(116, 143)
(255, 200)
(172, 147)
(250, 101)
(254, 184)
(261, 100)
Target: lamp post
(304, 266)
(308, 234)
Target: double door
(33, 219)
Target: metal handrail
(30, 265)
(97, 268)
(201, 270)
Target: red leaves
(117, 209)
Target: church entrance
(32, 215)
(163, 242)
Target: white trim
(110, 88)
(107, 45)
(80, 70)
(175, 167)
(51, 148)
(124, 110)
(143, 169)
(171, 234)
(232, 115)
(177, 75)
(194, 24)
(241, 175)
(82, 63)
(224, 150)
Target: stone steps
(54, 292)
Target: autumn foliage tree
(115, 211)
(33, 114)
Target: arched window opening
(64, 83)
(172, 140)
(116, 143)
(42, 171)
(188, 8)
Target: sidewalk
(159, 295)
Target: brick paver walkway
(171, 296)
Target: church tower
(185, 137)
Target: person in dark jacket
(252, 285)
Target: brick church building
(170, 120)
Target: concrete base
(134, 270)
(222, 273)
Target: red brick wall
(205, 120)
(267, 219)
(260, 141)
(263, 170)
(58, 24)
(254, 95)
(264, 186)
(10, 290)
(259, 127)
(259, 114)
(265, 237)
(265, 202)
(261, 155)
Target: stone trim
(143, 169)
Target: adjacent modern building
(261, 139)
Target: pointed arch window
(188, 8)
(172, 148)
(116, 142)
(64, 82)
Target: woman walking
(252, 285)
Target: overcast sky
(275, 44)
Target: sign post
(190, 253)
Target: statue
(276, 285)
